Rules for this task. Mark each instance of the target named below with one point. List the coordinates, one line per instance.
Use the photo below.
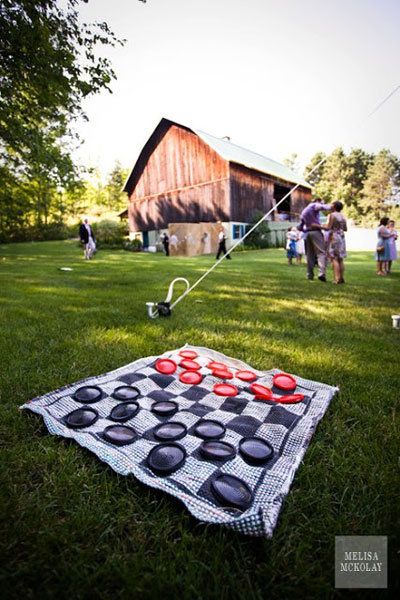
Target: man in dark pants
(222, 245)
(165, 241)
(314, 242)
(87, 238)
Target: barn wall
(183, 180)
(250, 192)
(206, 203)
(300, 198)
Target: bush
(110, 234)
(259, 238)
(133, 246)
(36, 233)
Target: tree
(383, 178)
(116, 198)
(316, 175)
(48, 66)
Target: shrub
(133, 246)
(109, 234)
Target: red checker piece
(189, 364)
(246, 375)
(225, 389)
(261, 392)
(222, 373)
(191, 377)
(166, 366)
(188, 353)
(286, 382)
(216, 365)
(290, 399)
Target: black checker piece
(166, 458)
(124, 412)
(82, 417)
(217, 450)
(88, 394)
(255, 450)
(126, 393)
(119, 435)
(164, 409)
(230, 491)
(209, 430)
(170, 431)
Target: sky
(277, 76)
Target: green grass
(72, 528)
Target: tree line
(49, 64)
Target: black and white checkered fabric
(287, 427)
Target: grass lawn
(72, 528)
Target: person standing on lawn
(222, 244)
(87, 238)
(314, 242)
(392, 245)
(382, 255)
(336, 251)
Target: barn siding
(206, 203)
(183, 180)
(252, 191)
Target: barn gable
(186, 175)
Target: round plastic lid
(222, 373)
(225, 389)
(123, 412)
(246, 375)
(190, 377)
(216, 450)
(120, 435)
(191, 365)
(286, 382)
(88, 394)
(126, 393)
(255, 450)
(216, 365)
(188, 353)
(230, 491)
(166, 366)
(171, 431)
(81, 417)
(290, 399)
(166, 458)
(261, 392)
(209, 430)
(164, 408)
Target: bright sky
(277, 76)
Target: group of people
(386, 251)
(319, 242)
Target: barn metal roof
(252, 160)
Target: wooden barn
(184, 175)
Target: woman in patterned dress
(382, 255)
(336, 249)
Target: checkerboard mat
(287, 427)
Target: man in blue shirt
(314, 241)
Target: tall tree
(383, 178)
(117, 199)
(314, 177)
